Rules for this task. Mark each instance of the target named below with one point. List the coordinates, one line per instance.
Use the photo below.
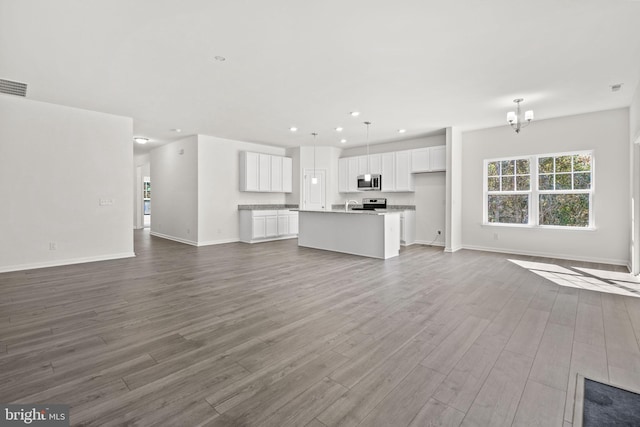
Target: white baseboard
(270, 239)
(569, 257)
(60, 262)
(192, 242)
(217, 242)
(429, 243)
(175, 239)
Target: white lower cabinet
(265, 225)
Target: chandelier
(515, 117)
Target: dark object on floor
(605, 405)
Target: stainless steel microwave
(374, 184)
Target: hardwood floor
(275, 335)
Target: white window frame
(534, 192)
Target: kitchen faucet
(346, 204)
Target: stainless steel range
(372, 204)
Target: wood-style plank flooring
(275, 335)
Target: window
(545, 190)
(509, 185)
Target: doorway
(314, 196)
(146, 200)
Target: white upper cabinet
(343, 175)
(375, 162)
(249, 167)
(388, 167)
(362, 165)
(352, 174)
(429, 159)
(396, 168)
(420, 160)
(287, 174)
(438, 158)
(276, 173)
(404, 179)
(265, 173)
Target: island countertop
(356, 212)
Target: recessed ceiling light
(355, 113)
(338, 129)
(343, 141)
(220, 58)
(616, 87)
(402, 130)
(177, 130)
(293, 129)
(141, 140)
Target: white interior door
(314, 197)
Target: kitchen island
(373, 234)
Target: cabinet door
(271, 226)
(388, 172)
(362, 165)
(404, 179)
(420, 160)
(276, 173)
(258, 227)
(283, 225)
(343, 172)
(293, 223)
(352, 174)
(264, 172)
(287, 174)
(251, 166)
(438, 158)
(376, 163)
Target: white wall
(56, 163)
(634, 159)
(174, 177)
(607, 133)
(219, 188)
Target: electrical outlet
(53, 246)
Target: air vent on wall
(13, 88)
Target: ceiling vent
(13, 88)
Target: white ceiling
(417, 64)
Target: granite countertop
(265, 207)
(389, 207)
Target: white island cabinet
(366, 233)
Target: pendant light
(514, 118)
(367, 176)
(314, 180)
